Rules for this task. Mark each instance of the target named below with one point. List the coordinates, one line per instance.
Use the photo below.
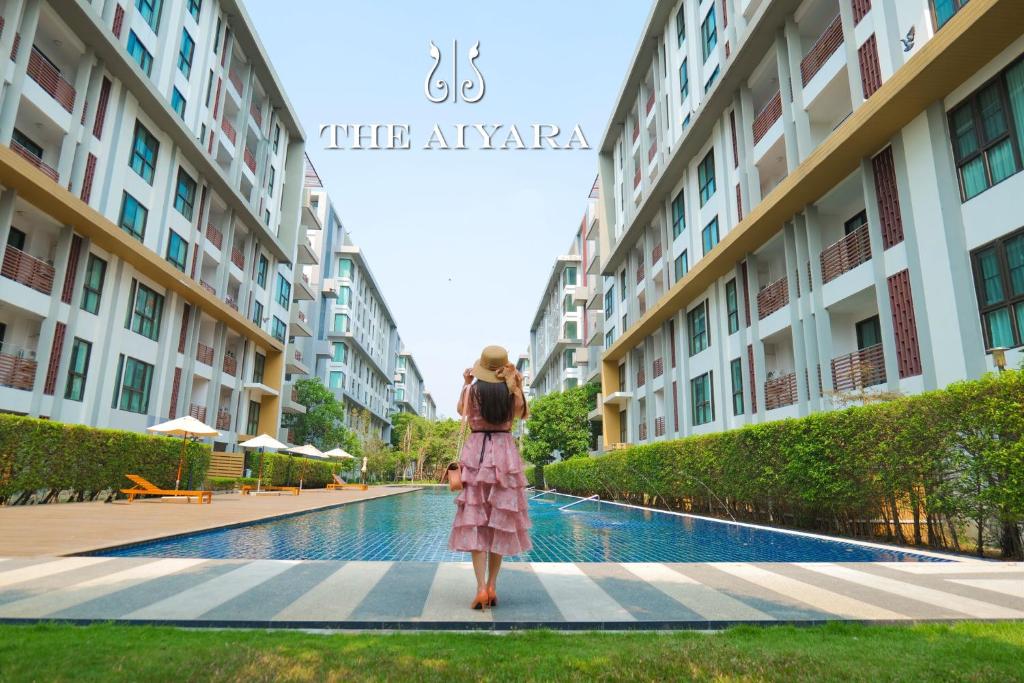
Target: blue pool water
(415, 526)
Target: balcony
(299, 326)
(34, 160)
(230, 365)
(329, 290)
(49, 79)
(307, 254)
(772, 298)
(656, 253)
(780, 391)
(204, 354)
(767, 117)
(223, 421)
(641, 377)
(581, 294)
(231, 301)
(17, 367)
(236, 80)
(215, 236)
(208, 287)
(257, 115)
(860, 369)
(636, 179)
(303, 291)
(250, 159)
(659, 426)
(823, 48)
(290, 402)
(640, 273)
(28, 270)
(636, 133)
(294, 364)
(846, 254)
(237, 258)
(659, 367)
(652, 152)
(650, 102)
(643, 431)
(198, 412)
(229, 130)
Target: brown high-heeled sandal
(492, 597)
(481, 600)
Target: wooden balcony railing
(204, 354)
(659, 426)
(825, 47)
(656, 254)
(650, 102)
(659, 367)
(250, 159)
(295, 395)
(208, 287)
(641, 377)
(636, 178)
(643, 431)
(231, 301)
(860, 9)
(229, 130)
(215, 236)
(780, 391)
(34, 160)
(257, 114)
(49, 79)
(640, 273)
(230, 365)
(28, 270)
(767, 117)
(864, 368)
(652, 152)
(636, 132)
(223, 421)
(17, 369)
(198, 412)
(772, 298)
(846, 254)
(235, 79)
(237, 258)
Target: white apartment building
(806, 199)
(556, 334)
(151, 173)
(428, 408)
(409, 386)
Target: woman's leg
(493, 566)
(480, 569)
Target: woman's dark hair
(495, 401)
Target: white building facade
(151, 184)
(807, 200)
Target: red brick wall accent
(908, 352)
(51, 369)
(888, 198)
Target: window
(177, 250)
(569, 276)
(277, 329)
(339, 352)
(209, 88)
(266, 216)
(134, 381)
(709, 236)
(259, 363)
(345, 267)
(133, 217)
(609, 338)
(570, 331)
(262, 265)
(701, 399)
(257, 313)
(869, 333)
(144, 150)
(622, 285)
(344, 296)
(681, 24)
(185, 194)
(609, 302)
(277, 136)
(284, 291)
(92, 291)
(78, 369)
(216, 36)
(706, 177)
(194, 8)
(736, 369)
(30, 145)
(145, 312)
(252, 423)
(697, 324)
(858, 221)
(678, 215)
(186, 51)
(684, 81)
(708, 34)
(568, 358)
(681, 265)
(987, 130)
(178, 102)
(999, 280)
(270, 181)
(732, 306)
(341, 321)
(149, 10)
(945, 9)
(711, 80)
(336, 380)
(138, 52)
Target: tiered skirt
(491, 510)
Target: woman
(491, 518)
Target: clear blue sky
(461, 242)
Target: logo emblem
(471, 91)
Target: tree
(323, 423)
(558, 425)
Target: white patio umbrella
(310, 451)
(339, 453)
(185, 427)
(262, 441)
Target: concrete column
(7, 202)
(47, 329)
(12, 94)
(87, 142)
(808, 314)
(822, 329)
(750, 182)
(74, 136)
(74, 313)
(793, 57)
(888, 34)
(795, 322)
(755, 337)
(103, 364)
(744, 339)
(852, 60)
(12, 17)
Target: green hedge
(284, 470)
(46, 458)
(949, 463)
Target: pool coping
(400, 489)
(950, 557)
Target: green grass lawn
(838, 652)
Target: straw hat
(492, 359)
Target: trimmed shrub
(43, 455)
(924, 469)
(280, 469)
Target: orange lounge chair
(247, 489)
(340, 483)
(144, 487)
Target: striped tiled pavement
(316, 594)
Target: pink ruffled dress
(491, 514)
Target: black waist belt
(487, 437)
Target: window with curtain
(78, 368)
(708, 34)
(943, 10)
(681, 265)
(145, 148)
(999, 282)
(736, 370)
(706, 177)
(681, 24)
(701, 399)
(697, 325)
(732, 306)
(146, 311)
(678, 215)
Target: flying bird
(908, 42)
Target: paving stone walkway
(401, 595)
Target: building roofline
(560, 263)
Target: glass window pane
(974, 177)
(964, 135)
(1015, 259)
(991, 282)
(1001, 161)
(1015, 89)
(993, 117)
(997, 324)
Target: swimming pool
(414, 527)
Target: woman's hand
(467, 376)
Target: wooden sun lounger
(247, 489)
(144, 487)
(340, 483)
